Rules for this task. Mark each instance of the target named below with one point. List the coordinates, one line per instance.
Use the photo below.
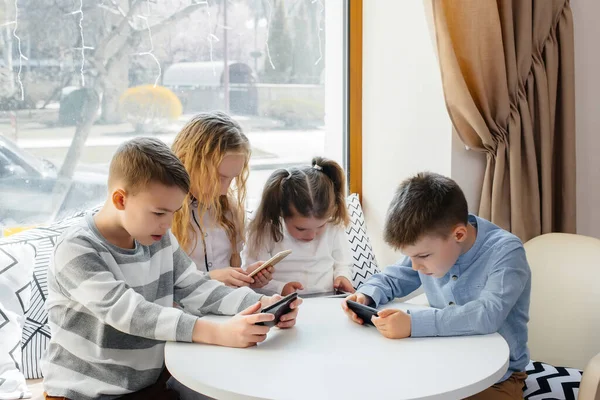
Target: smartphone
(278, 309)
(336, 293)
(272, 261)
(363, 312)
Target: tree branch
(116, 8)
(156, 29)
(175, 17)
(119, 30)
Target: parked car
(32, 193)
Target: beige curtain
(508, 76)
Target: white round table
(326, 356)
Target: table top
(327, 356)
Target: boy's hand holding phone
(359, 298)
(393, 324)
(240, 331)
(287, 320)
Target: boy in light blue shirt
(475, 275)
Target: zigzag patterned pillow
(545, 381)
(365, 264)
(36, 333)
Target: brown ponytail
(337, 176)
(267, 220)
(316, 191)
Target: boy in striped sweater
(113, 281)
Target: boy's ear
(460, 233)
(119, 197)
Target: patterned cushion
(547, 382)
(365, 264)
(16, 266)
(36, 332)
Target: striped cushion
(545, 381)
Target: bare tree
(107, 58)
(101, 35)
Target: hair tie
(318, 167)
(289, 175)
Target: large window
(79, 77)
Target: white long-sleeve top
(315, 264)
(218, 245)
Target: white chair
(564, 326)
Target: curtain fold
(507, 70)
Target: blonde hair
(141, 161)
(201, 146)
(318, 190)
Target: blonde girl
(210, 225)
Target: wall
(587, 103)
(405, 125)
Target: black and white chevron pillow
(36, 332)
(364, 260)
(545, 381)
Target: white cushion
(16, 266)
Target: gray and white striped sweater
(110, 311)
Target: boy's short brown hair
(425, 204)
(141, 161)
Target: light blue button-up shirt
(486, 291)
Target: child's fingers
(345, 305)
(356, 319)
(260, 317)
(259, 279)
(265, 275)
(237, 283)
(259, 338)
(254, 329)
(286, 324)
(382, 329)
(386, 312)
(252, 309)
(296, 303)
(275, 298)
(353, 316)
(289, 316)
(241, 277)
(347, 286)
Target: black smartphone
(363, 312)
(279, 309)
